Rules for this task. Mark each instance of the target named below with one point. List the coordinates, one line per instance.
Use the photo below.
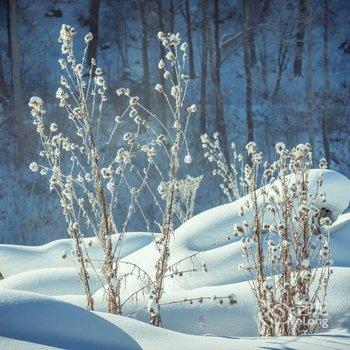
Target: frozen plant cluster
(285, 241)
(284, 235)
(92, 179)
(231, 174)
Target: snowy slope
(63, 323)
(64, 326)
(50, 255)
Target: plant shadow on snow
(323, 341)
(287, 343)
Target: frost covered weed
(285, 237)
(153, 307)
(231, 174)
(186, 190)
(285, 240)
(173, 67)
(90, 178)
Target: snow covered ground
(42, 302)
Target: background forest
(263, 70)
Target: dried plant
(90, 171)
(153, 307)
(173, 68)
(232, 182)
(75, 163)
(285, 240)
(186, 190)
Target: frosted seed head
(161, 64)
(53, 127)
(280, 147)
(188, 159)
(167, 75)
(183, 46)
(88, 37)
(323, 163)
(133, 101)
(33, 166)
(158, 87)
(36, 103)
(192, 109)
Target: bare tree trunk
(247, 69)
(300, 39)
(145, 63)
(187, 15)
(217, 40)
(252, 49)
(3, 85)
(8, 24)
(263, 60)
(121, 52)
(94, 9)
(125, 32)
(161, 27)
(309, 94)
(172, 17)
(215, 63)
(262, 50)
(204, 66)
(16, 76)
(119, 42)
(251, 36)
(283, 57)
(325, 130)
(5, 101)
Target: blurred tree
(285, 36)
(145, 62)
(4, 6)
(161, 27)
(16, 78)
(247, 69)
(94, 10)
(172, 15)
(309, 76)
(262, 50)
(325, 126)
(204, 66)
(160, 14)
(299, 45)
(253, 21)
(186, 13)
(5, 84)
(215, 62)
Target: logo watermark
(303, 314)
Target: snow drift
(61, 322)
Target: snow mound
(62, 322)
(215, 224)
(31, 321)
(39, 319)
(50, 281)
(50, 255)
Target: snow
(42, 302)
(33, 321)
(40, 319)
(55, 325)
(50, 255)
(50, 281)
